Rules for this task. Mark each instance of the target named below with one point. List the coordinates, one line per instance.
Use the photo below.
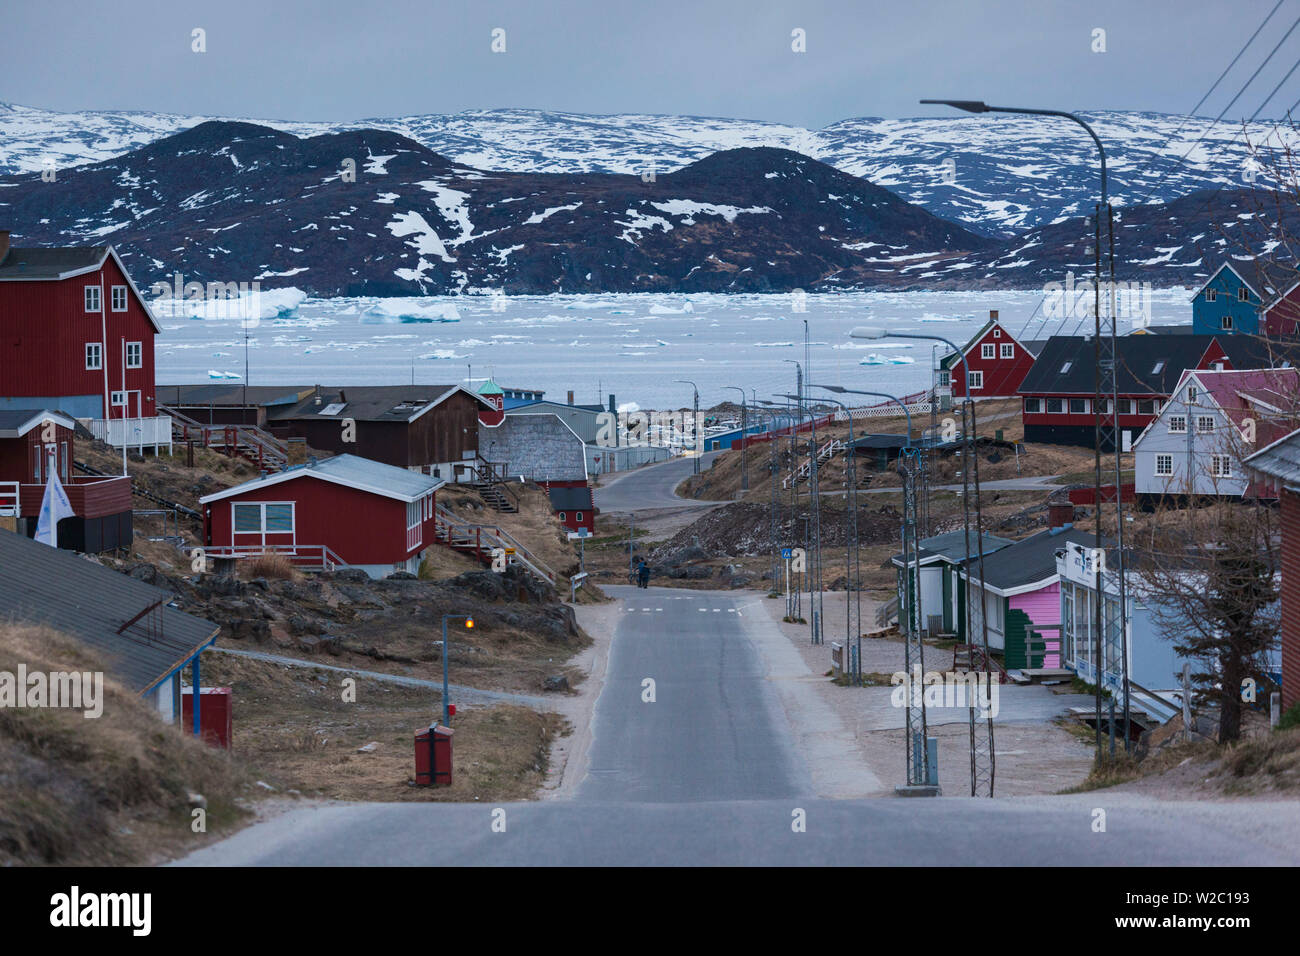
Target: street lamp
(970, 464)
(695, 421)
(446, 697)
(744, 446)
(1104, 366)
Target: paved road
(1040, 483)
(704, 775)
(650, 487)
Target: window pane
(279, 518)
(248, 517)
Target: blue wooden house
(1228, 303)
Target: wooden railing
(309, 557)
(482, 540)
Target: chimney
(993, 315)
(1059, 516)
(570, 398)
(4, 244)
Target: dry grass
(112, 790)
(293, 725)
(269, 565)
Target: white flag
(54, 508)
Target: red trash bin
(433, 756)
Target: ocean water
(634, 346)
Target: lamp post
(1106, 383)
(744, 433)
(970, 468)
(446, 697)
(695, 421)
(852, 560)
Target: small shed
(942, 591)
(574, 507)
(344, 511)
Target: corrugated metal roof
(1279, 461)
(89, 602)
(951, 546)
(1031, 559)
(571, 499)
(350, 470)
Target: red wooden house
(996, 362)
(35, 444)
(1059, 390)
(574, 506)
(78, 336)
(343, 511)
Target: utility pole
(695, 421)
(744, 435)
(852, 568)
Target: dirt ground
(294, 730)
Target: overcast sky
(332, 60)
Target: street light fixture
(446, 697)
(970, 465)
(1104, 376)
(744, 434)
(695, 421)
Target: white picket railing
(137, 433)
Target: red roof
(1268, 393)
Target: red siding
(44, 328)
(360, 527)
(1283, 319)
(1290, 510)
(1002, 377)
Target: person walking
(643, 574)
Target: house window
(1191, 394)
(279, 518)
(1164, 464)
(92, 298)
(1066, 367)
(1178, 424)
(1204, 424)
(261, 518)
(94, 355)
(1220, 466)
(945, 377)
(1007, 350)
(563, 516)
(1225, 323)
(975, 379)
(1209, 295)
(1158, 367)
(1104, 407)
(1033, 405)
(1055, 406)
(578, 516)
(134, 355)
(986, 351)
(1146, 406)
(1243, 294)
(118, 300)
(1078, 406)
(412, 513)
(248, 518)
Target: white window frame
(945, 378)
(1164, 466)
(1225, 323)
(94, 356)
(987, 350)
(562, 516)
(1243, 294)
(91, 293)
(577, 516)
(1221, 466)
(1204, 424)
(1209, 295)
(1191, 394)
(974, 379)
(262, 532)
(1082, 411)
(1007, 350)
(1038, 406)
(1178, 424)
(138, 349)
(1047, 406)
(114, 291)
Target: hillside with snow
(997, 175)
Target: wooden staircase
(247, 441)
(824, 454)
(492, 486)
(970, 657)
(482, 541)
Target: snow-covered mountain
(997, 175)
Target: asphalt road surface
(705, 774)
(650, 487)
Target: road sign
(582, 533)
(787, 553)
